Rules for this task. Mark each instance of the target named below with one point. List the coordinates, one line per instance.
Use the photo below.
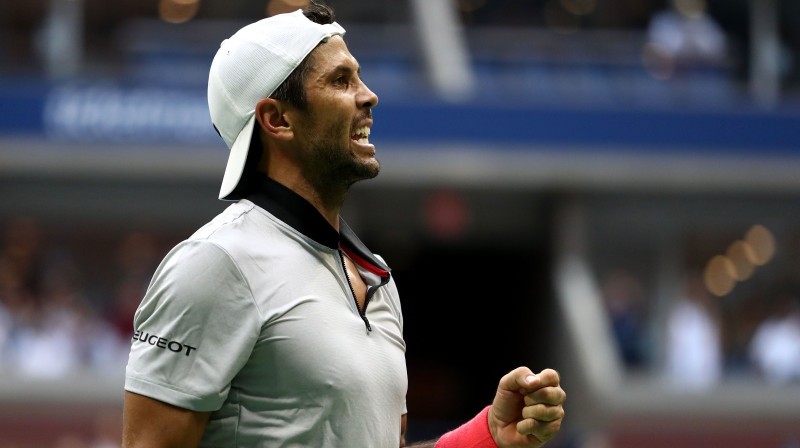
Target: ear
(271, 116)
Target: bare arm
(154, 424)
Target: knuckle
(550, 396)
(544, 432)
(552, 431)
(529, 401)
(558, 396)
(552, 428)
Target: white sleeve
(194, 329)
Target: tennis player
(273, 325)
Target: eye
(340, 81)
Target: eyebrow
(346, 69)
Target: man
(273, 325)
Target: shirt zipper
(362, 313)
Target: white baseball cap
(249, 66)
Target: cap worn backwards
(249, 66)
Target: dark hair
(292, 90)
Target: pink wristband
(473, 434)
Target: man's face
(332, 133)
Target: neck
(327, 201)
(314, 186)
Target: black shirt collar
(294, 210)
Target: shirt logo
(162, 343)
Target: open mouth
(361, 135)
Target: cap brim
(237, 160)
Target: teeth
(362, 131)
(361, 135)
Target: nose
(367, 98)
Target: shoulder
(235, 219)
(243, 230)
(198, 272)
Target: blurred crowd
(681, 36)
(65, 308)
(705, 338)
(67, 305)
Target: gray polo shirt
(253, 318)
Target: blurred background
(606, 187)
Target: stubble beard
(332, 170)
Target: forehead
(331, 55)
